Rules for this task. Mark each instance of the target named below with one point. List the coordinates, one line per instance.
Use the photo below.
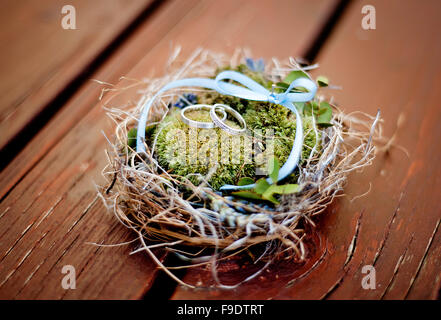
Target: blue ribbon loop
(251, 91)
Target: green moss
(188, 151)
(281, 123)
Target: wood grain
(39, 58)
(394, 227)
(49, 210)
(55, 220)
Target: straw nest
(202, 225)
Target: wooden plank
(39, 58)
(394, 227)
(47, 223)
(63, 172)
(428, 279)
(145, 38)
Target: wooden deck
(52, 148)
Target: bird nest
(185, 213)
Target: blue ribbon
(251, 91)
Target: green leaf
(245, 181)
(310, 108)
(261, 186)
(307, 109)
(247, 194)
(271, 198)
(322, 81)
(269, 194)
(286, 189)
(131, 137)
(273, 168)
(324, 115)
(293, 75)
(282, 85)
(300, 106)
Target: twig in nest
(148, 199)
